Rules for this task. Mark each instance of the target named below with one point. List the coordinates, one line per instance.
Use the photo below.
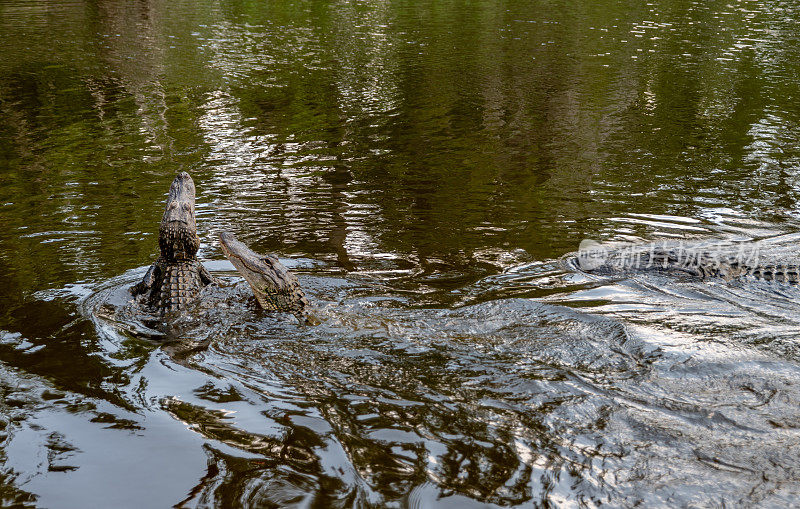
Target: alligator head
(177, 235)
(275, 288)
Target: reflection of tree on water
(450, 148)
(84, 134)
(339, 179)
(135, 46)
(708, 120)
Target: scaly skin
(275, 288)
(779, 273)
(176, 277)
(700, 264)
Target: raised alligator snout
(180, 202)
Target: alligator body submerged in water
(177, 277)
(722, 260)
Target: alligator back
(788, 273)
(176, 285)
(702, 263)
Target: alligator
(721, 260)
(177, 277)
(274, 287)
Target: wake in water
(649, 388)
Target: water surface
(424, 168)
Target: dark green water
(423, 166)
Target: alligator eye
(187, 207)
